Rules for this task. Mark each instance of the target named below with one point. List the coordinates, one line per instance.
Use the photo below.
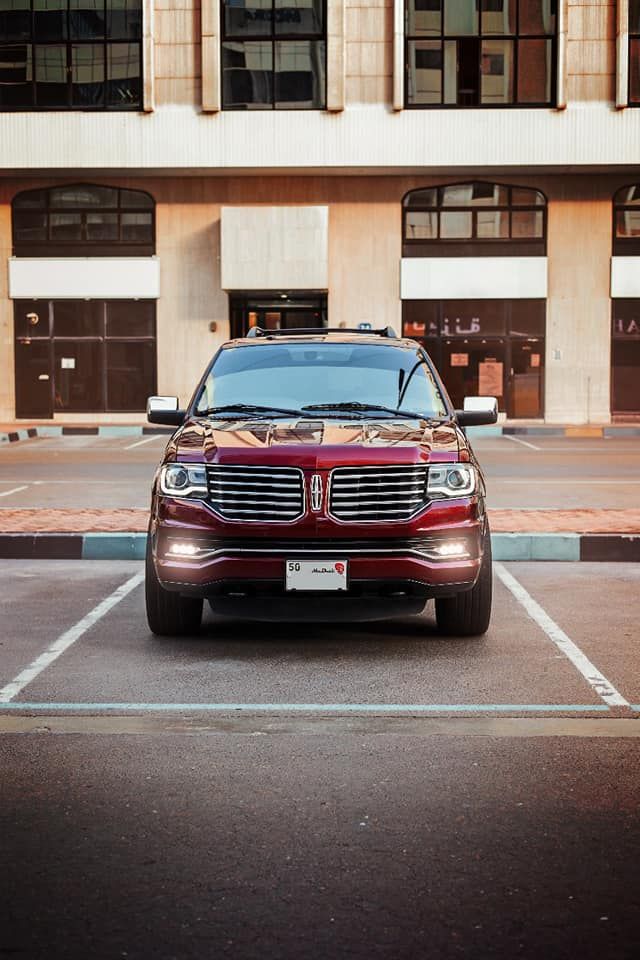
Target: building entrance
(276, 311)
(485, 347)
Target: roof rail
(304, 331)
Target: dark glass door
(526, 382)
(474, 367)
(33, 380)
(625, 376)
(77, 356)
(78, 381)
(277, 312)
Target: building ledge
(358, 140)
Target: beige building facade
(500, 232)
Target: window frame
(624, 246)
(84, 247)
(632, 35)
(102, 339)
(475, 245)
(516, 37)
(69, 44)
(271, 38)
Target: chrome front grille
(267, 494)
(377, 493)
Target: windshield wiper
(249, 408)
(357, 407)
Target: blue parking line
(387, 708)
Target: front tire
(168, 613)
(468, 614)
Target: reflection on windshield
(298, 375)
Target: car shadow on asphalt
(224, 638)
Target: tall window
(70, 54)
(474, 219)
(274, 54)
(83, 220)
(480, 53)
(634, 52)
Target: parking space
(599, 604)
(300, 791)
(39, 602)
(518, 668)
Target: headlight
(451, 480)
(183, 480)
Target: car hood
(317, 442)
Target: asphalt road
(395, 795)
(95, 472)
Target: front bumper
(384, 560)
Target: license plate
(316, 574)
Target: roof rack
(303, 331)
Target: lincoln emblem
(316, 492)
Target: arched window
(474, 219)
(626, 221)
(83, 220)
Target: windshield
(302, 375)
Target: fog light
(183, 550)
(455, 548)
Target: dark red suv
(321, 475)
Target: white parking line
(139, 443)
(58, 647)
(596, 680)
(525, 443)
(7, 493)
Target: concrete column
(622, 54)
(398, 55)
(148, 71)
(364, 259)
(211, 58)
(561, 60)
(578, 341)
(335, 55)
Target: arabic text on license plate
(316, 574)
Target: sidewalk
(609, 535)
(502, 521)
(12, 432)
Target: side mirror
(478, 411)
(164, 410)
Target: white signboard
(490, 379)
